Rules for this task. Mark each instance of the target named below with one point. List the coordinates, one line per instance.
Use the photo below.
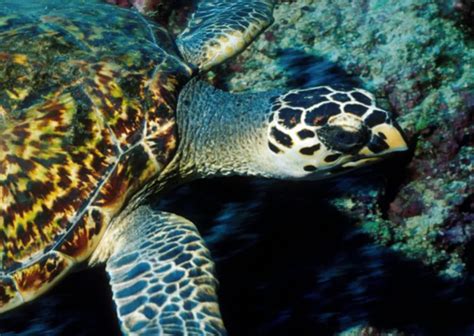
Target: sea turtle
(100, 109)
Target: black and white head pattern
(324, 127)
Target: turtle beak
(386, 139)
(392, 135)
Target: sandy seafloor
(388, 250)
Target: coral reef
(369, 331)
(159, 10)
(466, 9)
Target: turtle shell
(87, 117)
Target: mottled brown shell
(87, 117)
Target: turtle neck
(221, 133)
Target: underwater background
(388, 250)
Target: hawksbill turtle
(101, 108)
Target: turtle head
(322, 131)
(308, 133)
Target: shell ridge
(148, 27)
(94, 194)
(78, 216)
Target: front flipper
(220, 29)
(162, 277)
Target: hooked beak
(392, 136)
(386, 139)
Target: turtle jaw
(386, 140)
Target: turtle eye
(343, 140)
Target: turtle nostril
(343, 140)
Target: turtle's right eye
(343, 140)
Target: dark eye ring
(337, 138)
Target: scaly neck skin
(221, 133)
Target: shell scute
(9, 295)
(58, 179)
(36, 278)
(123, 113)
(131, 172)
(86, 234)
